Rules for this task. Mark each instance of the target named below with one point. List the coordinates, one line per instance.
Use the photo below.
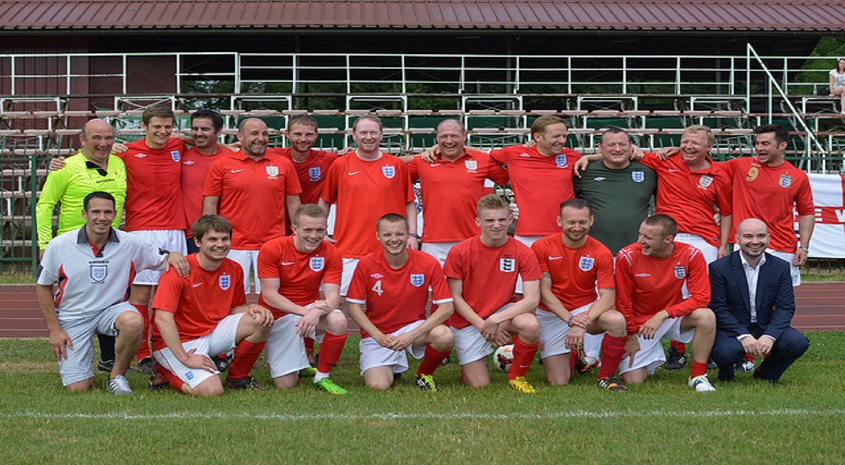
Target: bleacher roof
(572, 15)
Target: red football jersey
(300, 274)
(153, 191)
(195, 166)
(489, 274)
(576, 274)
(394, 299)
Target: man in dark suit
(752, 297)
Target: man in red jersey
(253, 189)
(451, 186)
(482, 273)
(393, 285)
(541, 177)
(366, 185)
(206, 127)
(574, 267)
(770, 188)
(650, 275)
(154, 206)
(206, 313)
(292, 269)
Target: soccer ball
(503, 357)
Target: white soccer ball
(503, 357)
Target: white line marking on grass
(419, 416)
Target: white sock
(320, 376)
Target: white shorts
(651, 354)
(349, 265)
(710, 253)
(248, 260)
(794, 271)
(438, 250)
(171, 240)
(470, 345)
(553, 331)
(219, 341)
(528, 241)
(77, 366)
(285, 350)
(373, 355)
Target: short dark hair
(372, 118)
(781, 134)
(666, 223)
(578, 204)
(216, 119)
(157, 111)
(97, 195)
(392, 218)
(614, 130)
(207, 223)
(305, 120)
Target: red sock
(246, 353)
(309, 345)
(522, 355)
(680, 347)
(612, 351)
(749, 357)
(144, 350)
(171, 378)
(330, 350)
(697, 369)
(431, 361)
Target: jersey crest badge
(314, 174)
(98, 272)
(785, 181)
(417, 279)
(705, 181)
(638, 176)
(175, 156)
(388, 171)
(225, 281)
(560, 161)
(189, 375)
(586, 263)
(507, 265)
(752, 174)
(680, 272)
(272, 171)
(471, 165)
(316, 263)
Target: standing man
(649, 277)
(541, 177)
(92, 265)
(619, 190)
(154, 207)
(393, 286)
(95, 170)
(311, 165)
(574, 267)
(694, 191)
(253, 190)
(753, 299)
(451, 186)
(204, 314)
(366, 185)
(770, 188)
(482, 274)
(206, 127)
(292, 270)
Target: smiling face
(768, 150)
(575, 224)
(393, 236)
(302, 137)
(202, 130)
(552, 140)
(654, 242)
(214, 245)
(752, 236)
(97, 140)
(615, 149)
(99, 215)
(254, 137)
(695, 147)
(309, 232)
(158, 131)
(450, 139)
(367, 135)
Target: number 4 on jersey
(377, 288)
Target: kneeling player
(574, 265)
(482, 273)
(393, 284)
(206, 313)
(650, 275)
(291, 269)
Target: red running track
(820, 308)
